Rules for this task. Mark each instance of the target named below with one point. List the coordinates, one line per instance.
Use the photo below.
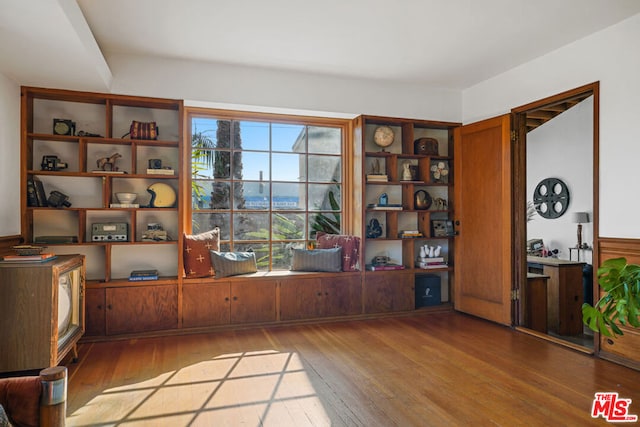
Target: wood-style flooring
(430, 369)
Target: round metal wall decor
(551, 198)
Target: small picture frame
(442, 228)
(439, 170)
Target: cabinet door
(253, 301)
(140, 309)
(95, 312)
(387, 292)
(205, 304)
(342, 296)
(301, 299)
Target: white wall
(562, 148)
(611, 57)
(199, 83)
(9, 157)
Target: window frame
(346, 173)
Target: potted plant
(620, 304)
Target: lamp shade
(581, 217)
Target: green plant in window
(329, 223)
(620, 304)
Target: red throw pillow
(197, 259)
(350, 248)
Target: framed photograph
(442, 228)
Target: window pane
(325, 169)
(288, 167)
(200, 194)
(220, 194)
(329, 222)
(202, 222)
(289, 138)
(255, 166)
(251, 226)
(282, 254)
(252, 136)
(324, 197)
(251, 195)
(288, 196)
(287, 226)
(325, 140)
(210, 133)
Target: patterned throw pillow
(197, 261)
(350, 248)
(233, 263)
(317, 260)
(4, 419)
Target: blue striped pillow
(317, 260)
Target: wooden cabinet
(307, 298)
(65, 165)
(564, 293)
(408, 191)
(41, 312)
(95, 307)
(212, 303)
(386, 291)
(141, 309)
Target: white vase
(431, 251)
(437, 251)
(423, 253)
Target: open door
(483, 217)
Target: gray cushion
(233, 263)
(317, 260)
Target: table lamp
(580, 218)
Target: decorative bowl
(126, 197)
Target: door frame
(519, 137)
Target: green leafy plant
(620, 304)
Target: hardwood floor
(438, 369)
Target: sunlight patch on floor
(252, 389)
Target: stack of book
(143, 275)
(384, 267)
(409, 234)
(29, 258)
(435, 262)
(377, 177)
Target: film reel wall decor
(551, 198)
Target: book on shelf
(378, 177)
(144, 273)
(124, 205)
(160, 172)
(387, 207)
(30, 258)
(433, 260)
(409, 234)
(36, 196)
(434, 265)
(142, 278)
(384, 267)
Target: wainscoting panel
(626, 349)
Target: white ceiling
(439, 43)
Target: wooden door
(300, 298)
(205, 304)
(388, 291)
(342, 296)
(253, 301)
(483, 249)
(140, 309)
(95, 311)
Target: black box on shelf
(428, 290)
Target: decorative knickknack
(422, 200)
